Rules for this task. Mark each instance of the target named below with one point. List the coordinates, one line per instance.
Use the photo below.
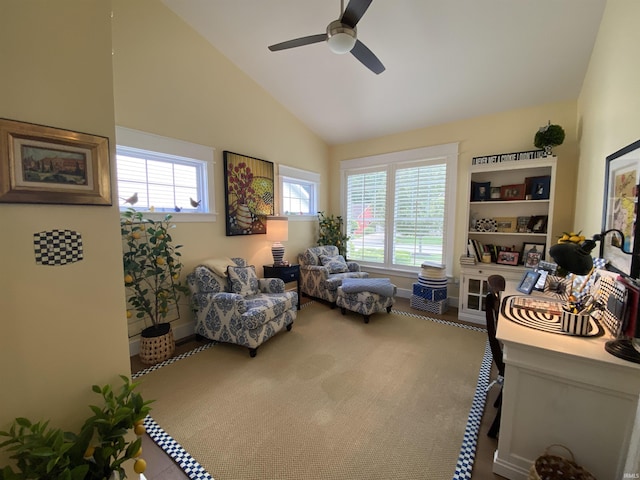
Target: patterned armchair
(322, 270)
(239, 308)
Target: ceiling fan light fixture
(340, 37)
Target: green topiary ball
(551, 135)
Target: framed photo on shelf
(495, 193)
(512, 192)
(508, 258)
(538, 224)
(622, 179)
(41, 164)
(540, 187)
(528, 281)
(522, 224)
(532, 254)
(481, 191)
(506, 224)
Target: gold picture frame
(41, 164)
(506, 224)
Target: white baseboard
(179, 332)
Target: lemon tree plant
(97, 452)
(151, 267)
(331, 232)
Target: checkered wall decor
(57, 247)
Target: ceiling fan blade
(354, 12)
(299, 42)
(367, 57)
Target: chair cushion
(243, 280)
(335, 264)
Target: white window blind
(366, 215)
(418, 220)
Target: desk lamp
(576, 258)
(277, 231)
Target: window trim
(390, 161)
(284, 172)
(135, 140)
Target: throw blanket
(381, 286)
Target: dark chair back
(492, 309)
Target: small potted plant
(98, 452)
(331, 233)
(152, 278)
(548, 137)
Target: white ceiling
(445, 60)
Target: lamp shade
(573, 257)
(277, 229)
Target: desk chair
(492, 309)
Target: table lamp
(576, 258)
(277, 232)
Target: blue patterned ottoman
(364, 301)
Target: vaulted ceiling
(446, 60)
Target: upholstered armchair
(322, 270)
(232, 305)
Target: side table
(286, 273)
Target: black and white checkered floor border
(171, 360)
(172, 448)
(467, 455)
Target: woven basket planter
(156, 344)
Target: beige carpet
(332, 399)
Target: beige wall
(609, 105)
(62, 328)
(169, 81)
(506, 132)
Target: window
(164, 175)
(298, 191)
(396, 207)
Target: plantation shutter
(419, 214)
(366, 212)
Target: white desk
(567, 390)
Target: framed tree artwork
(622, 179)
(249, 194)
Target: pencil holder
(575, 323)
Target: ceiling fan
(342, 36)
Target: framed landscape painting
(40, 164)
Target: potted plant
(152, 278)
(98, 452)
(548, 137)
(331, 233)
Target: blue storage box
(427, 305)
(429, 293)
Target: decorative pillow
(218, 265)
(335, 264)
(243, 280)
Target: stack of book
(467, 260)
(430, 291)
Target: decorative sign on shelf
(508, 157)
